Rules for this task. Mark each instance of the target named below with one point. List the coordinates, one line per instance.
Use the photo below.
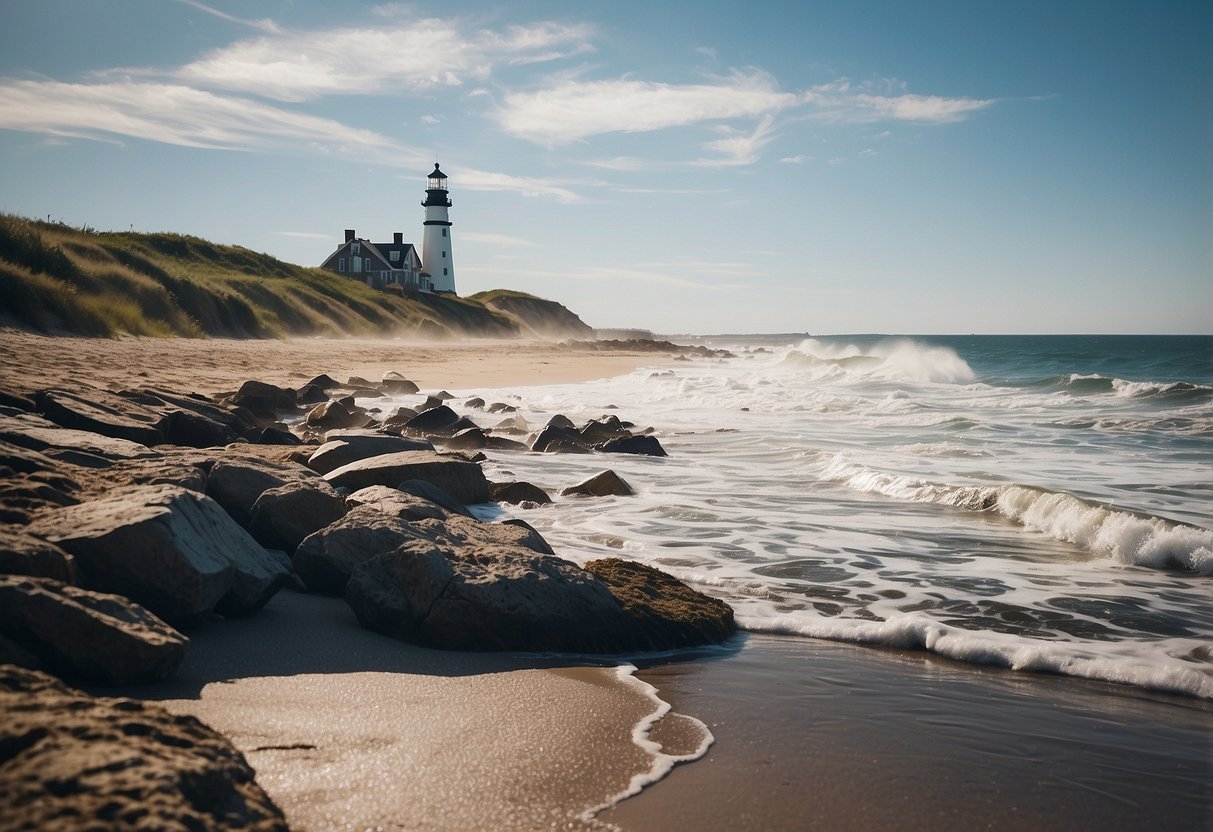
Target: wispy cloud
(798, 159)
(265, 24)
(841, 101)
(406, 56)
(737, 147)
(496, 239)
(621, 163)
(481, 180)
(575, 109)
(179, 115)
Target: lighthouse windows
(444, 232)
(444, 255)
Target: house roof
(379, 251)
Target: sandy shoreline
(208, 366)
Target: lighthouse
(436, 242)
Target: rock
(283, 516)
(554, 433)
(194, 430)
(265, 401)
(323, 381)
(567, 446)
(670, 613)
(16, 401)
(602, 430)
(502, 407)
(429, 404)
(428, 491)
(89, 635)
(312, 394)
(468, 439)
(114, 418)
(512, 424)
(397, 384)
(644, 445)
(462, 480)
(501, 443)
(351, 448)
(434, 420)
(330, 415)
(172, 550)
(475, 403)
(278, 434)
(24, 554)
(236, 482)
(325, 559)
(561, 421)
(73, 762)
(45, 436)
(518, 492)
(604, 484)
(355, 382)
(399, 417)
(396, 503)
(443, 395)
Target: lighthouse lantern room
(436, 240)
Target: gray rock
(88, 635)
(432, 420)
(561, 421)
(236, 482)
(264, 401)
(644, 445)
(604, 484)
(283, 516)
(468, 439)
(476, 403)
(42, 435)
(397, 384)
(278, 434)
(342, 448)
(428, 491)
(172, 550)
(73, 762)
(396, 503)
(24, 554)
(518, 492)
(553, 434)
(462, 480)
(330, 415)
(502, 407)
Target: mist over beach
(715, 417)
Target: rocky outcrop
(75, 762)
(87, 635)
(42, 435)
(396, 503)
(237, 481)
(170, 549)
(114, 418)
(283, 516)
(518, 492)
(604, 484)
(264, 401)
(462, 480)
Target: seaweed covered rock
(77, 762)
(88, 635)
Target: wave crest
(893, 360)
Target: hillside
(63, 280)
(535, 317)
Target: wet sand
(814, 735)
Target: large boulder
(434, 420)
(283, 516)
(264, 401)
(42, 435)
(643, 445)
(174, 551)
(497, 596)
(329, 415)
(397, 503)
(462, 480)
(73, 762)
(349, 447)
(113, 417)
(555, 438)
(89, 635)
(24, 554)
(603, 484)
(518, 492)
(396, 384)
(236, 482)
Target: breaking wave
(894, 360)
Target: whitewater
(1039, 503)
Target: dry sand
(29, 362)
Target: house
(397, 264)
(380, 265)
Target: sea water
(1040, 503)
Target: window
(444, 232)
(444, 271)
(395, 256)
(357, 264)
(340, 264)
(356, 248)
(444, 255)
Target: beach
(350, 729)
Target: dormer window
(356, 248)
(395, 256)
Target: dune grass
(63, 280)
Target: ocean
(1041, 503)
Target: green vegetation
(534, 316)
(63, 280)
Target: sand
(29, 362)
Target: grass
(62, 280)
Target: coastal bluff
(132, 518)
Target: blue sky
(932, 167)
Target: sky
(685, 167)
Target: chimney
(349, 235)
(398, 237)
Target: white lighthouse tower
(436, 244)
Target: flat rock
(88, 635)
(604, 484)
(24, 554)
(42, 435)
(643, 445)
(113, 417)
(342, 448)
(172, 550)
(462, 480)
(74, 762)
